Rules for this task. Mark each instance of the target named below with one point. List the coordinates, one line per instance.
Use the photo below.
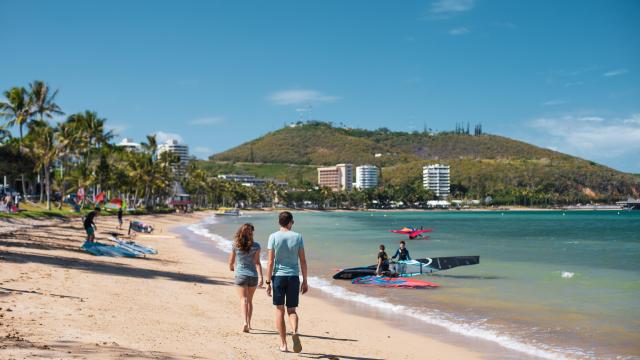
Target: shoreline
(395, 316)
(58, 301)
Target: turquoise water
(550, 284)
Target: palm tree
(66, 139)
(41, 139)
(17, 109)
(42, 100)
(91, 136)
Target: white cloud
(207, 121)
(300, 96)
(450, 7)
(554, 102)
(634, 119)
(202, 150)
(616, 72)
(162, 137)
(591, 137)
(590, 118)
(459, 31)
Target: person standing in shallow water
(286, 249)
(245, 261)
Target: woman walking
(245, 260)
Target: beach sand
(59, 302)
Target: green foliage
(511, 171)
(295, 175)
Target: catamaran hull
(411, 268)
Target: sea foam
(433, 317)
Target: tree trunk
(41, 176)
(47, 177)
(24, 186)
(63, 190)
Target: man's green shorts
(89, 230)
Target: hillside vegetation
(480, 165)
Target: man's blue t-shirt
(285, 245)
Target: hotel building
(129, 145)
(179, 150)
(339, 177)
(437, 179)
(366, 177)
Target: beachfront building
(366, 177)
(250, 180)
(177, 149)
(129, 145)
(437, 179)
(339, 177)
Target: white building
(339, 177)
(129, 145)
(177, 149)
(366, 177)
(437, 178)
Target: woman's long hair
(244, 238)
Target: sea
(550, 284)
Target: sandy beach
(57, 301)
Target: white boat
(228, 212)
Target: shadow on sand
(106, 268)
(72, 349)
(272, 332)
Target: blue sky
(559, 74)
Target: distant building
(437, 179)
(339, 177)
(366, 177)
(250, 180)
(179, 150)
(129, 145)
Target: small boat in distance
(223, 211)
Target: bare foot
(297, 346)
(284, 349)
(245, 328)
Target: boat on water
(409, 268)
(227, 212)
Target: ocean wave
(433, 317)
(201, 229)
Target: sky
(559, 74)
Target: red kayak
(393, 282)
(412, 233)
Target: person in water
(90, 226)
(286, 248)
(402, 253)
(245, 261)
(383, 261)
(120, 218)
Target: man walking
(286, 248)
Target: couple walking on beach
(286, 259)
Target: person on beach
(402, 253)
(120, 218)
(90, 226)
(383, 261)
(286, 248)
(245, 261)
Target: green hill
(480, 165)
